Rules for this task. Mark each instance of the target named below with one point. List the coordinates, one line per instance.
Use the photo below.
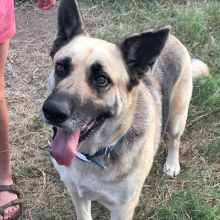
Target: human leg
(5, 169)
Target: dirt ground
(29, 60)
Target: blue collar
(93, 158)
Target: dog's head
(93, 81)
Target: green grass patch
(185, 204)
(195, 23)
(211, 150)
(206, 97)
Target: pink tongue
(64, 146)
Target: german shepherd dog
(110, 104)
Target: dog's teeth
(49, 142)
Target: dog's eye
(63, 67)
(99, 78)
(60, 70)
(101, 81)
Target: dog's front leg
(125, 211)
(82, 207)
(122, 213)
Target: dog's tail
(199, 68)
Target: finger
(46, 4)
(9, 213)
(6, 214)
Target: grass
(206, 98)
(185, 204)
(195, 193)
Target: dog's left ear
(142, 50)
(70, 24)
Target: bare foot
(6, 197)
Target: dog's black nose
(56, 112)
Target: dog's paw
(171, 169)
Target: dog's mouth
(90, 128)
(65, 143)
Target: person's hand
(46, 4)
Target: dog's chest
(89, 186)
(76, 182)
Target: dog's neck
(95, 158)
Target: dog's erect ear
(69, 24)
(142, 50)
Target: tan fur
(138, 109)
(199, 68)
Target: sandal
(13, 189)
